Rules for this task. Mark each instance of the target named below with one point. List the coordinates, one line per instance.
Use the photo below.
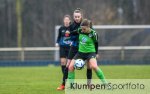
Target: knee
(93, 64)
(71, 68)
(68, 63)
(94, 68)
(63, 61)
(88, 66)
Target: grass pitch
(45, 80)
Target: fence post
(56, 56)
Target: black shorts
(72, 52)
(85, 56)
(64, 50)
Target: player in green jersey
(87, 43)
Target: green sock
(71, 76)
(100, 75)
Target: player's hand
(71, 44)
(97, 56)
(56, 44)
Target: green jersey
(87, 41)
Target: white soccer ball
(79, 64)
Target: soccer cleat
(61, 87)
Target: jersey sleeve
(59, 35)
(95, 38)
(74, 32)
(79, 30)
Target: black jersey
(75, 41)
(64, 38)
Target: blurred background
(32, 23)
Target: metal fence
(107, 54)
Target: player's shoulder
(72, 25)
(93, 31)
(79, 29)
(61, 27)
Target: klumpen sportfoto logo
(113, 86)
(108, 86)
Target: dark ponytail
(79, 10)
(91, 24)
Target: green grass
(44, 80)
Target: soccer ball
(79, 64)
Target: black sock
(89, 75)
(63, 68)
(65, 76)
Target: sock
(71, 76)
(63, 68)
(65, 76)
(89, 75)
(100, 75)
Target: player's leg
(88, 73)
(63, 64)
(98, 71)
(71, 74)
(63, 61)
(71, 53)
(65, 76)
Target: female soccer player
(77, 16)
(64, 41)
(87, 43)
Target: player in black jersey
(77, 16)
(64, 41)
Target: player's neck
(89, 30)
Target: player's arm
(95, 38)
(96, 47)
(75, 32)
